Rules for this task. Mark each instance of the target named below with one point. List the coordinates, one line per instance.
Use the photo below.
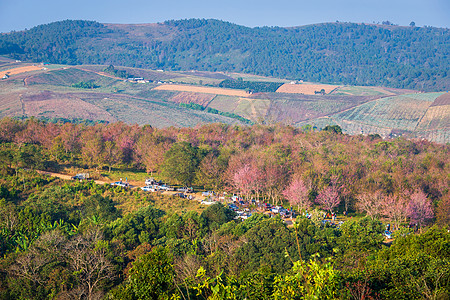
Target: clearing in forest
(306, 88)
(201, 89)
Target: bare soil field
(201, 89)
(19, 70)
(197, 98)
(49, 104)
(305, 88)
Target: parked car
(185, 189)
(266, 206)
(208, 193)
(149, 188)
(276, 209)
(233, 207)
(150, 181)
(166, 188)
(206, 202)
(81, 176)
(121, 184)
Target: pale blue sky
(21, 14)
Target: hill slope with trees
(80, 240)
(345, 53)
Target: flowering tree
(244, 179)
(328, 198)
(395, 209)
(297, 194)
(420, 210)
(371, 204)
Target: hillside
(336, 53)
(187, 99)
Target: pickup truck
(81, 176)
(121, 184)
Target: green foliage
(266, 245)
(253, 86)
(308, 280)
(361, 235)
(118, 73)
(217, 214)
(152, 275)
(136, 228)
(181, 162)
(330, 52)
(333, 128)
(85, 85)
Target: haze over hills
(336, 53)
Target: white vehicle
(208, 193)
(276, 209)
(149, 188)
(150, 181)
(185, 189)
(206, 202)
(81, 176)
(166, 188)
(120, 183)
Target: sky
(20, 14)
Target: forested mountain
(345, 53)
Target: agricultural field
(157, 114)
(224, 103)
(399, 112)
(68, 76)
(197, 98)
(20, 70)
(252, 109)
(200, 89)
(443, 99)
(54, 105)
(306, 88)
(357, 110)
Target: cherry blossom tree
(371, 204)
(328, 198)
(244, 179)
(297, 194)
(395, 209)
(420, 209)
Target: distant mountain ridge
(344, 53)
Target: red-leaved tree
(420, 209)
(297, 194)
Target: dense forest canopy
(72, 239)
(345, 53)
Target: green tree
(151, 276)
(180, 163)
